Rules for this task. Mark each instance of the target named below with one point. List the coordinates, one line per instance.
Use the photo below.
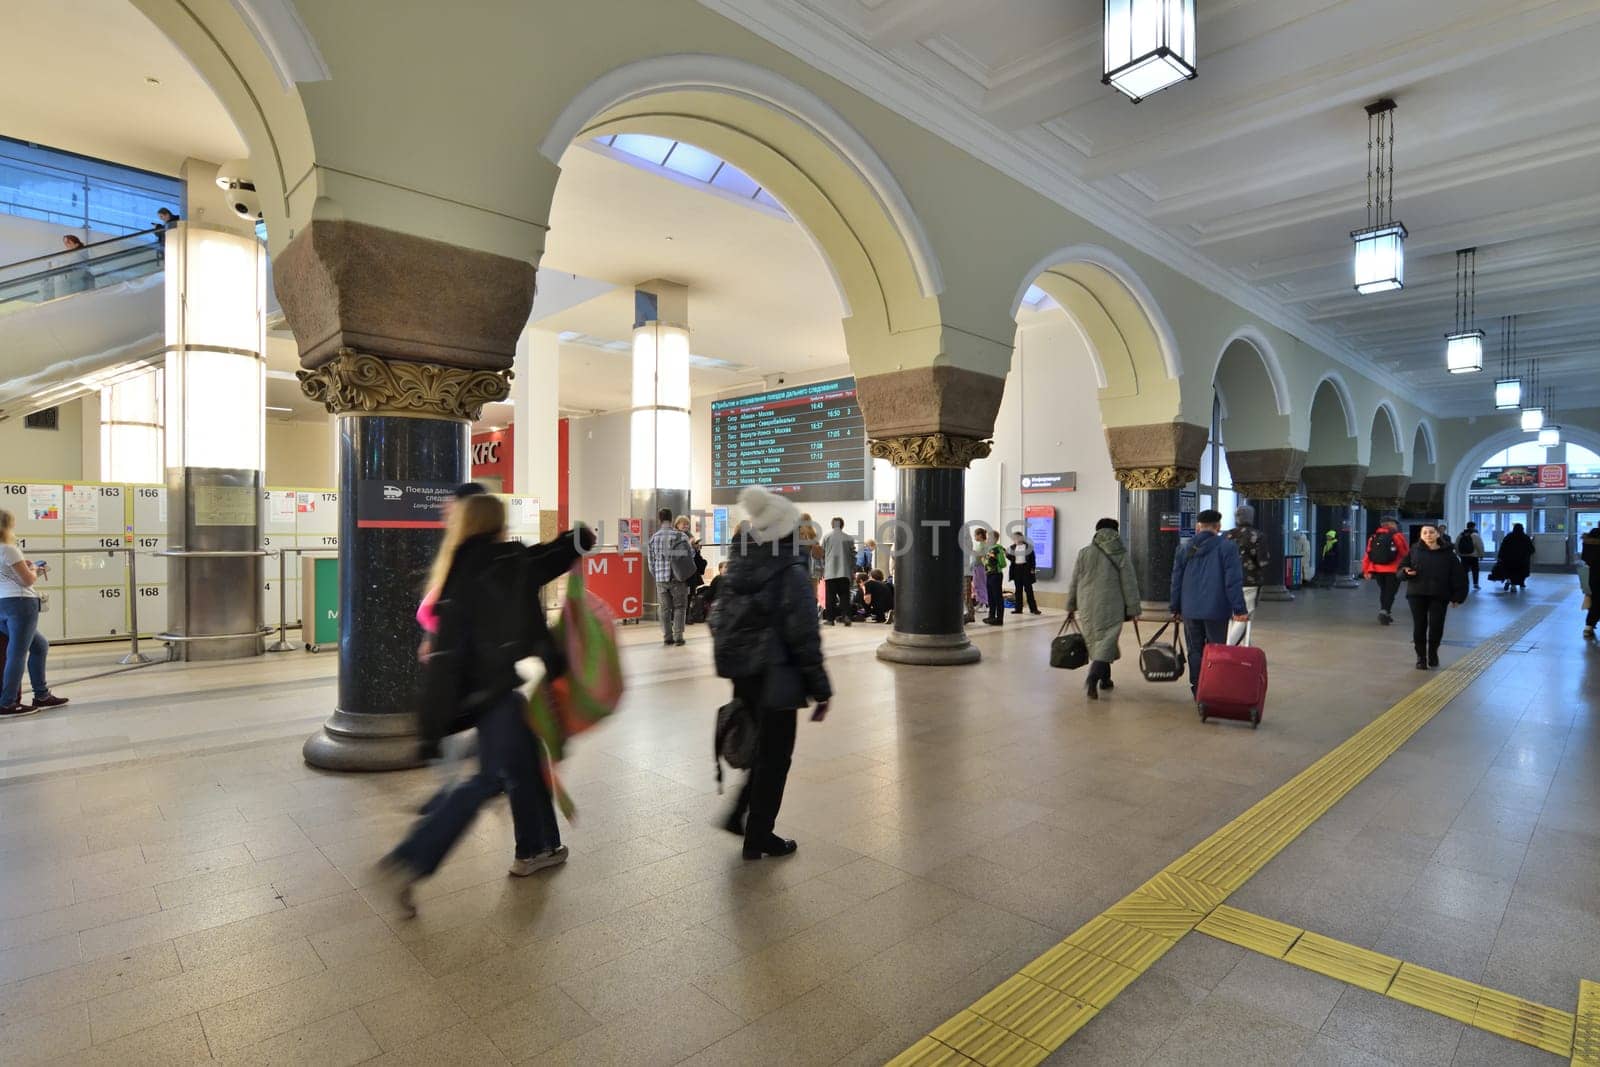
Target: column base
(351, 741)
(929, 650)
(1277, 594)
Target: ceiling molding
(830, 48)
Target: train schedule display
(807, 442)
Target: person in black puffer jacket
(1435, 578)
(486, 625)
(765, 638)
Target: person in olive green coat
(1103, 584)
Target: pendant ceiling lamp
(1380, 252)
(1149, 45)
(1550, 432)
(1532, 411)
(1463, 349)
(1508, 387)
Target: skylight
(691, 162)
(1038, 299)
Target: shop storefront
(1554, 502)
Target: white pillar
(132, 435)
(659, 447)
(535, 389)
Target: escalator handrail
(158, 228)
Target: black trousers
(1025, 589)
(762, 794)
(1099, 671)
(1388, 585)
(1427, 622)
(997, 596)
(1592, 619)
(1471, 563)
(837, 602)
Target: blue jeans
(19, 616)
(1197, 633)
(509, 762)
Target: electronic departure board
(807, 443)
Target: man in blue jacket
(1207, 589)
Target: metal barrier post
(134, 655)
(282, 644)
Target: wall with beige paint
(300, 455)
(45, 455)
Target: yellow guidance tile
(1266, 936)
(1348, 963)
(1523, 1020)
(1155, 914)
(1586, 1033)
(1190, 893)
(1120, 943)
(1080, 975)
(1034, 1011)
(988, 1042)
(930, 1053)
(1442, 994)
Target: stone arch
(1333, 423)
(1254, 339)
(1422, 444)
(1253, 404)
(1455, 509)
(1388, 455)
(824, 173)
(252, 53)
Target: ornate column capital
(358, 382)
(1265, 490)
(1337, 498)
(1156, 477)
(1382, 503)
(930, 450)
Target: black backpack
(741, 623)
(1382, 550)
(735, 740)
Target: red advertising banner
(1553, 476)
(618, 580)
(492, 459)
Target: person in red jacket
(1386, 550)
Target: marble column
(1272, 519)
(1154, 463)
(930, 423)
(1267, 478)
(404, 340)
(1335, 489)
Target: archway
(1457, 487)
(1334, 478)
(1250, 458)
(1424, 455)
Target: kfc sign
(492, 461)
(485, 453)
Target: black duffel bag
(1161, 661)
(1069, 651)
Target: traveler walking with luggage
(1022, 572)
(1254, 556)
(1435, 579)
(838, 563)
(1469, 546)
(489, 619)
(671, 560)
(765, 638)
(26, 648)
(1514, 560)
(1106, 591)
(1591, 561)
(1207, 589)
(1386, 549)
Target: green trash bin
(319, 601)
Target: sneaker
(49, 700)
(1385, 618)
(17, 711)
(1588, 632)
(555, 857)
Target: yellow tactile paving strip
(1586, 1032)
(1034, 1012)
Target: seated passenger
(879, 596)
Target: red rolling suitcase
(1233, 683)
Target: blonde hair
(8, 527)
(478, 514)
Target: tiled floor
(215, 902)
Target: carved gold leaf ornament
(1266, 490)
(1171, 477)
(1338, 498)
(930, 450)
(1382, 503)
(356, 381)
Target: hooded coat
(785, 633)
(1104, 593)
(1515, 556)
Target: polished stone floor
(179, 888)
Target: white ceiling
(73, 76)
(1252, 176)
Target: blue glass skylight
(1037, 298)
(691, 162)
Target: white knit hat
(772, 517)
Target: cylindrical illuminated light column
(659, 426)
(132, 440)
(215, 388)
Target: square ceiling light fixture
(1532, 412)
(1463, 350)
(1380, 249)
(1508, 387)
(1149, 45)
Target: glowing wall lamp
(1508, 387)
(1149, 45)
(1380, 249)
(1463, 352)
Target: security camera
(239, 191)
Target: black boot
(1090, 688)
(1433, 656)
(1422, 659)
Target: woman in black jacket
(1514, 558)
(1435, 578)
(765, 619)
(489, 620)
